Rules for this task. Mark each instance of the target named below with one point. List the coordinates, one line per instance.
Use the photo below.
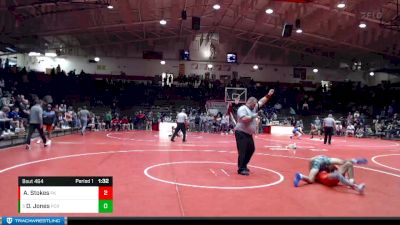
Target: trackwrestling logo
(33, 220)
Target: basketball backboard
(235, 95)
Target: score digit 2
(105, 192)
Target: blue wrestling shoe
(360, 161)
(297, 179)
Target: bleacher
(20, 138)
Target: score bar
(65, 195)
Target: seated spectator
(225, 124)
(68, 116)
(125, 123)
(379, 129)
(116, 124)
(5, 122)
(149, 120)
(368, 131)
(92, 123)
(315, 131)
(350, 130)
(15, 119)
(140, 118)
(339, 128)
(102, 124)
(60, 121)
(360, 132)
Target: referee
(329, 124)
(245, 128)
(181, 120)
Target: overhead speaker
(287, 30)
(184, 15)
(195, 23)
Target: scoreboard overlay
(65, 194)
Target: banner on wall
(101, 67)
(207, 76)
(195, 66)
(299, 73)
(181, 69)
(214, 106)
(310, 77)
(203, 66)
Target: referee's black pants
(182, 127)
(31, 129)
(328, 131)
(246, 148)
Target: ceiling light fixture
(269, 11)
(216, 6)
(362, 25)
(341, 5)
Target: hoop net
(237, 100)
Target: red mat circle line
(129, 151)
(146, 172)
(333, 141)
(373, 159)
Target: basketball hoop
(235, 95)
